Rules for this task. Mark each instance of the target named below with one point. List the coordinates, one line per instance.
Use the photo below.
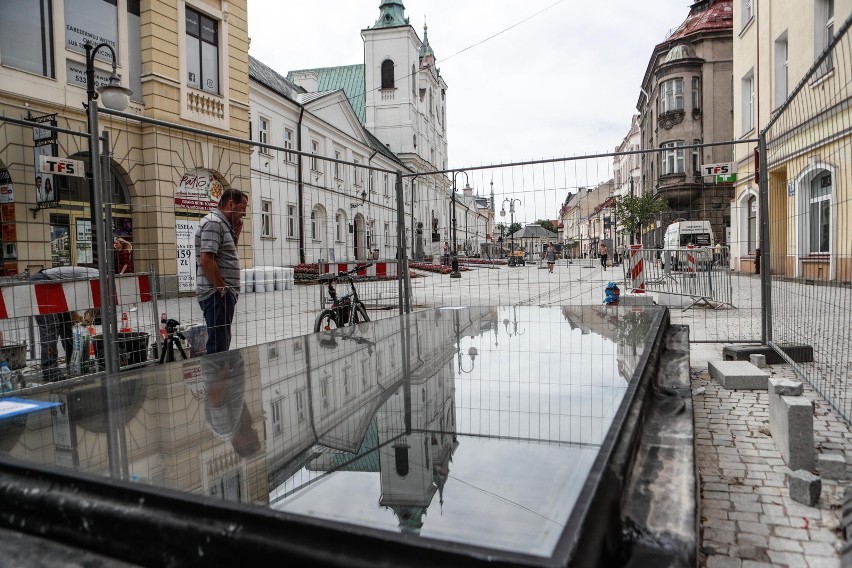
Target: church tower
(405, 95)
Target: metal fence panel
(808, 183)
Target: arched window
(400, 455)
(819, 214)
(751, 228)
(314, 225)
(387, 74)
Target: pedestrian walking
(123, 256)
(218, 267)
(551, 256)
(603, 252)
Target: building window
(357, 174)
(387, 234)
(337, 166)
(291, 221)
(823, 33)
(748, 102)
(202, 52)
(288, 144)
(314, 154)
(263, 133)
(673, 158)
(696, 94)
(781, 89)
(748, 11)
(413, 80)
(387, 74)
(671, 95)
(26, 41)
(819, 216)
(386, 186)
(266, 218)
(300, 405)
(696, 158)
(751, 231)
(339, 227)
(314, 231)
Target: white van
(680, 234)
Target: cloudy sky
(527, 80)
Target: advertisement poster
(185, 245)
(7, 191)
(84, 242)
(199, 190)
(60, 245)
(47, 194)
(96, 22)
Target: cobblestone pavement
(747, 516)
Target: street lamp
(114, 97)
(511, 222)
(455, 261)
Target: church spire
(391, 14)
(427, 56)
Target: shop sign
(7, 191)
(199, 190)
(185, 253)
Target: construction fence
(806, 218)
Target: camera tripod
(174, 338)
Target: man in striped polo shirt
(217, 264)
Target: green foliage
(512, 228)
(547, 225)
(632, 212)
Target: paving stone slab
(737, 375)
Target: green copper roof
(391, 15)
(367, 457)
(350, 78)
(425, 48)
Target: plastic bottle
(5, 377)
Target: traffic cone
(125, 323)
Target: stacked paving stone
(748, 516)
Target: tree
(547, 225)
(632, 212)
(513, 228)
(501, 230)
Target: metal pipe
(765, 265)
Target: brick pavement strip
(744, 482)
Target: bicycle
(344, 310)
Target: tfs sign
(61, 166)
(724, 169)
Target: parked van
(681, 234)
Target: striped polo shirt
(214, 235)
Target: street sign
(723, 169)
(62, 166)
(730, 178)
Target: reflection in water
(224, 405)
(475, 425)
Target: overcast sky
(563, 81)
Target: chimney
(307, 80)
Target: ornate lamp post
(114, 97)
(511, 222)
(455, 257)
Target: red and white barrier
(41, 298)
(637, 269)
(376, 269)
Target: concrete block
(791, 422)
(805, 487)
(832, 466)
(738, 375)
(636, 300)
(786, 387)
(758, 360)
(796, 352)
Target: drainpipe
(301, 188)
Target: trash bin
(132, 348)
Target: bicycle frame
(346, 309)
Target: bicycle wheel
(359, 314)
(326, 321)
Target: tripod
(174, 338)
